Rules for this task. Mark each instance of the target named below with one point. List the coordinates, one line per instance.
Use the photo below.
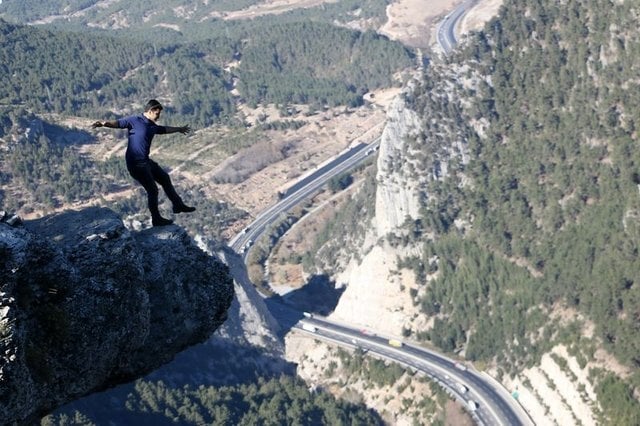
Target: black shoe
(161, 221)
(183, 208)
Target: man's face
(154, 114)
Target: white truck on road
(309, 327)
(462, 388)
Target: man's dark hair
(152, 104)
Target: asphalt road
(301, 190)
(494, 404)
(446, 32)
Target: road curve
(446, 30)
(495, 405)
(301, 190)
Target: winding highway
(485, 399)
(446, 31)
(491, 404)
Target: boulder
(86, 304)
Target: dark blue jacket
(141, 131)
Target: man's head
(152, 110)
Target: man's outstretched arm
(112, 124)
(183, 129)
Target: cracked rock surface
(86, 304)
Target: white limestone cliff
(396, 198)
(376, 296)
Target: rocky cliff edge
(86, 304)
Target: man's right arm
(112, 124)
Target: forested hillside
(297, 63)
(548, 219)
(272, 401)
(68, 73)
(54, 71)
(184, 20)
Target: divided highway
(491, 404)
(487, 401)
(301, 190)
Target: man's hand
(113, 124)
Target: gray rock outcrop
(396, 198)
(86, 304)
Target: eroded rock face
(86, 304)
(397, 196)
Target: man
(141, 130)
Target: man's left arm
(182, 129)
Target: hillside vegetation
(185, 20)
(70, 73)
(550, 217)
(532, 242)
(274, 401)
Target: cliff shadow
(215, 363)
(318, 296)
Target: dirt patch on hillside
(479, 15)
(412, 21)
(324, 137)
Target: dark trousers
(148, 173)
